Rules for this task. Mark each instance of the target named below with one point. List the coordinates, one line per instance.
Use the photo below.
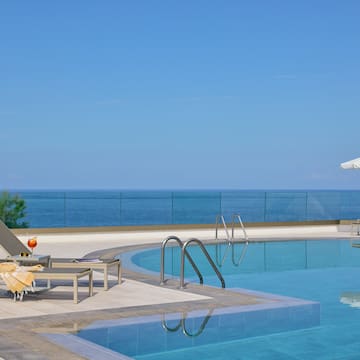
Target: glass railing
(115, 208)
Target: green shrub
(12, 209)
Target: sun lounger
(14, 247)
(20, 280)
(10, 243)
(73, 274)
(94, 264)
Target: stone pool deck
(22, 323)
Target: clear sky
(190, 94)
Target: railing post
(120, 208)
(265, 202)
(65, 217)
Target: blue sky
(179, 94)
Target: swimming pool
(318, 271)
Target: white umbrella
(352, 164)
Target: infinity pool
(303, 274)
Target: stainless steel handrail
(246, 238)
(221, 217)
(165, 326)
(201, 328)
(203, 249)
(243, 252)
(234, 217)
(220, 262)
(162, 259)
(182, 324)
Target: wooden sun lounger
(73, 274)
(93, 264)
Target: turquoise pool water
(199, 335)
(325, 272)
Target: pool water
(200, 334)
(318, 271)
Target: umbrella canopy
(352, 164)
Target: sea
(80, 208)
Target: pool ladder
(185, 253)
(231, 241)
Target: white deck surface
(59, 300)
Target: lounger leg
(106, 285)
(91, 284)
(49, 265)
(75, 290)
(119, 272)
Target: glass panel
(250, 205)
(323, 205)
(44, 209)
(349, 205)
(92, 208)
(286, 206)
(146, 208)
(198, 207)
